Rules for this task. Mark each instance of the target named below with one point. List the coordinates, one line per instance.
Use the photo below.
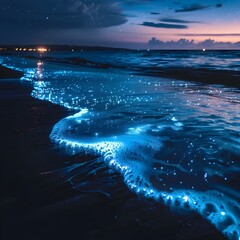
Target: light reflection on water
(173, 141)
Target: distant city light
(42, 50)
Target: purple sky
(129, 23)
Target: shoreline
(37, 202)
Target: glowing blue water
(219, 60)
(173, 141)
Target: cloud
(59, 14)
(174, 20)
(164, 25)
(192, 7)
(196, 7)
(210, 35)
(219, 5)
(181, 43)
(169, 23)
(237, 45)
(190, 44)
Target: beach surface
(6, 73)
(39, 202)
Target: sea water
(177, 142)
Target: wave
(132, 154)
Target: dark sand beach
(6, 73)
(38, 203)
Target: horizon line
(147, 48)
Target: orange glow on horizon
(42, 50)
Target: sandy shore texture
(6, 73)
(38, 201)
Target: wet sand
(6, 73)
(37, 202)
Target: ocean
(167, 121)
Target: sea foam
(132, 154)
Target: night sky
(129, 23)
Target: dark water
(174, 141)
